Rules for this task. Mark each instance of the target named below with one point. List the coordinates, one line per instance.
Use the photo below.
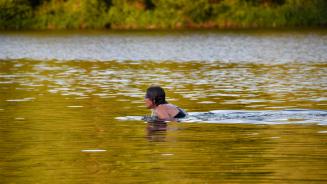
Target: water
(249, 117)
(238, 46)
(71, 103)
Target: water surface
(228, 46)
(62, 108)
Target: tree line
(161, 14)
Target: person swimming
(155, 99)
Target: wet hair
(156, 94)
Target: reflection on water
(197, 86)
(245, 46)
(58, 120)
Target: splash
(294, 116)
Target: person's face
(148, 103)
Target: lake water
(71, 107)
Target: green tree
(14, 14)
(161, 14)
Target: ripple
(206, 46)
(19, 118)
(93, 151)
(271, 117)
(75, 106)
(206, 102)
(129, 118)
(100, 94)
(319, 99)
(7, 82)
(21, 100)
(167, 154)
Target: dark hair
(156, 94)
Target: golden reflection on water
(50, 111)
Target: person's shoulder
(170, 105)
(161, 107)
(165, 107)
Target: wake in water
(252, 117)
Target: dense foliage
(160, 14)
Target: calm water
(70, 107)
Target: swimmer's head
(155, 96)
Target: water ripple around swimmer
(272, 117)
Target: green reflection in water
(52, 110)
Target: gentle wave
(206, 46)
(271, 117)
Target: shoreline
(179, 30)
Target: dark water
(70, 107)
